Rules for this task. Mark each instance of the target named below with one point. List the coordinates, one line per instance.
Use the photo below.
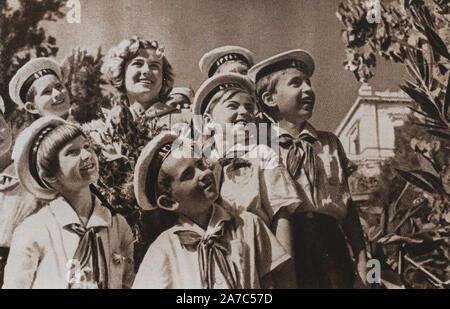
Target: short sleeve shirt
(16, 204)
(41, 248)
(253, 250)
(330, 194)
(262, 188)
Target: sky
(189, 28)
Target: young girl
(254, 179)
(74, 241)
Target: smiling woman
(55, 162)
(142, 75)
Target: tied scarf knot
(210, 253)
(90, 252)
(300, 152)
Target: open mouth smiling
(87, 167)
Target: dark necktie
(210, 251)
(300, 152)
(91, 252)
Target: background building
(367, 134)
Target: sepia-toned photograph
(225, 144)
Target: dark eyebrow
(155, 62)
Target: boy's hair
(115, 62)
(47, 154)
(268, 83)
(31, 93)
(163, 184)
(224, 95)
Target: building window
(354, 140)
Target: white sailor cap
(219, 82)
(28, 73)
(214, 58)
(25, 149)
(296, 58)
(187, 92)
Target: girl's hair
(116, 60)
(224, 95)
(47, 162)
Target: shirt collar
(65, 214)
(8, 179)
(307, 129)
(156, 110)
(218, 215)
(9, 171)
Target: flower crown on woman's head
(115, 62)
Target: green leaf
(415, 180)
(436, 42)
(439, 134)
(422, 99)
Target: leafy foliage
(412, 236)
(84, 80)
(22, 37)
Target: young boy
(318, 164)
(37, 86)
(208, 247)
(226, 59)
(249, 175)
(181, 98)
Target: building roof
(367, 95)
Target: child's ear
(209, 129)
(268, 99)
(29, 107)
(207, 118)
(167, 203)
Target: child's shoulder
(34, 224)
(326, 135)
(265, 155)
(246, 221)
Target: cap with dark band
(225, 58)
(278, 66)
(28, 74)
(151, 186)
(213, 59)
(148, 165)
(33, 155)
(214, 91)
(30, 80)
(296, 58)
(217, 83)
(25, 154)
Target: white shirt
(41, 248)
(16, 204)
(330, 195)
(253, 250)
(262, 188)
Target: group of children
(248, 215)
